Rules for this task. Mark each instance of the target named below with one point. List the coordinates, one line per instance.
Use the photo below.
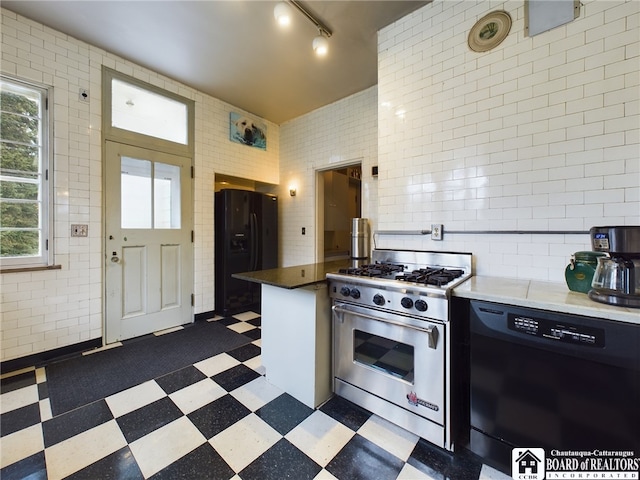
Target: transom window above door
(138, 113)
(139, 110)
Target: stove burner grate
(427, 276)
(431, 276)
(373, 270)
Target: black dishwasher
(551, 380)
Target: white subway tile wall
(336, 135)
(44, 310)
(540, 133)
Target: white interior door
(149, 251)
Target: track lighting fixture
(320, 44)
(282, 13)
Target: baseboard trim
(43, 358)
(204, 315)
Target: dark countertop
(297, 276)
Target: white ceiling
(234, 50)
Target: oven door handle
(431, 330)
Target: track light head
(320, 45)
(282, 13)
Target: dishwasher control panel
(558, 331)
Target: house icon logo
(527, 463)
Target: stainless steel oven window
(388, 356)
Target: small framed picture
(248, 131)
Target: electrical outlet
(436, 231)
(83, 95)
(304, 231)
(79, 230)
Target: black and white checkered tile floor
(216, 419)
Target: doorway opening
(339, 201)
(148, 214)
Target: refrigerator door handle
(253, 227)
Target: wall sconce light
(292, 191)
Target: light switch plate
(79, 230)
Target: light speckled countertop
(541, 295)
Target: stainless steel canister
(360, 247)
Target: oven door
(403, 364)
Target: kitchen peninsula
(296, 328)
(296, 319)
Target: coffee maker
(616, 280)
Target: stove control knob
(421, 305)
(355, 293)
(344, 291)
(406, 302)
(379, 300)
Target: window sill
(29, 269)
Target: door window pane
(388, 356)
(135, 198)
(150, 194)
(166, 196)
(142, 111)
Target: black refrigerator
(246, 239)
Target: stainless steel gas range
(392, 337)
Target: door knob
(114, 257)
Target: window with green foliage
(24, 182)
